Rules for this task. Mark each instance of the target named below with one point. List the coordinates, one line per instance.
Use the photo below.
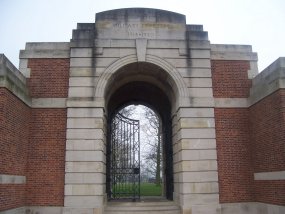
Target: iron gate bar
(125, 159)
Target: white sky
(260, 23)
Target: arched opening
(145, 84)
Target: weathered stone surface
(84, 189)
(85, 167)
(195, 112)
(83, 144)
(84, 134)
(12, 179)
(83, 201)
(195, 165)
(85, 112)
(85, 156)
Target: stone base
(228, 208)
(235, 208)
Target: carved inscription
(135, 30)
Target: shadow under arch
(146, 84)
(173, 77)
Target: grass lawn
(150, 189)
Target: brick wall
(49, 78)
(267, 119)
(270, 192)
(14, 132)
(12, 196)
(230, 78)
(45, 174)
(234, 155)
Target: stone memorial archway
(144, 56)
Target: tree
(151, 162)
(152, 129)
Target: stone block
(198, 143)
(67, 210)
(104, 62)
(231, 102)
(84, 189)
(85, 72)
(82, 81)
(43, 210)
(47, 46)
(81, 102)
(81, 92)
(220, 55)
(141, 49)
(118, 52)
(85, 112)
(194, 53)
(85, 134)
(277, 175)
(82, 62)
(26, 72)
(201, 102)
(209, 209)
(19, 210)
(81, 52)
(207, 176)
(198, 155)
(12, 179)
(273, 209)
(85, 167)
(231, 48)
(195, 72)
(195, 112)
(196, 123)
(161, 43)
(87, 145)
(200, 92)
(198, 188)
(85, 156)
(197, 133)
(113, 43)
(85, 178)
(39, 54)
(188, 200)
(23, 63)
(89, 123)
(49, 102)
(245, 208)
(83, 201)
(198, 82)
(196, 165)
(194, 63)
(195, 155)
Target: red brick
(14, 133)
(45, 174)
(12, 196)
(234, 155)
(14, 139)
(49, 78)
(270, 192)
(230, 78)
(267, 119)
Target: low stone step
(144, 212)
(167, 207)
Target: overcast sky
(260, 23)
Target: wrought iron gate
(124, 159)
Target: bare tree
(153, 140)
